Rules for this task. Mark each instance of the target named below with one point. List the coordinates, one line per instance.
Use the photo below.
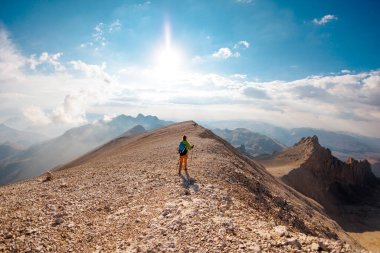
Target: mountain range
(73, 143)
(342, 144)
(19, 139)
(18, 162)
(250, 143)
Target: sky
(293, 63)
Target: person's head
(184, 138)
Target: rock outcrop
(127, 196)
(325, 178)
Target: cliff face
(327, 179)
(127, 196)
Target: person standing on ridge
(184, 147)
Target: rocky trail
(130, 198)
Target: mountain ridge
(133, 200)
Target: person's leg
(185, 162)
(180, 165)
(185, 166)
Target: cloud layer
(46, 90)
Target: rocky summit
(349, 191)
(325, 178)
(128, 197)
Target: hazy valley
(39, 158)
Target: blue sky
(308, 62)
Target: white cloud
(72, 110)
(242, 44)
(35, 95)
(87, 44)
(98, 32)
(48, 59)
(325, 19)
(99, 35)
(345, 71)
(36, 115)
(143, 5)
(225, 53)
(114, 26)
(10, 59)
(244, 1)
(238, 76)
(91, 70)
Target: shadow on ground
(361, 217)
(189, 182)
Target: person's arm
(188, 146)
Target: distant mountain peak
(23, 139)
(135, 130)
(121, 117)
(311, 140)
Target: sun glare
(168, 59)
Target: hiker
(184, 147)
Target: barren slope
(348, 191)
(132, 199)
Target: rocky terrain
(130, 198)
(348, 190)
(319, 175)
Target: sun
(168, 60)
